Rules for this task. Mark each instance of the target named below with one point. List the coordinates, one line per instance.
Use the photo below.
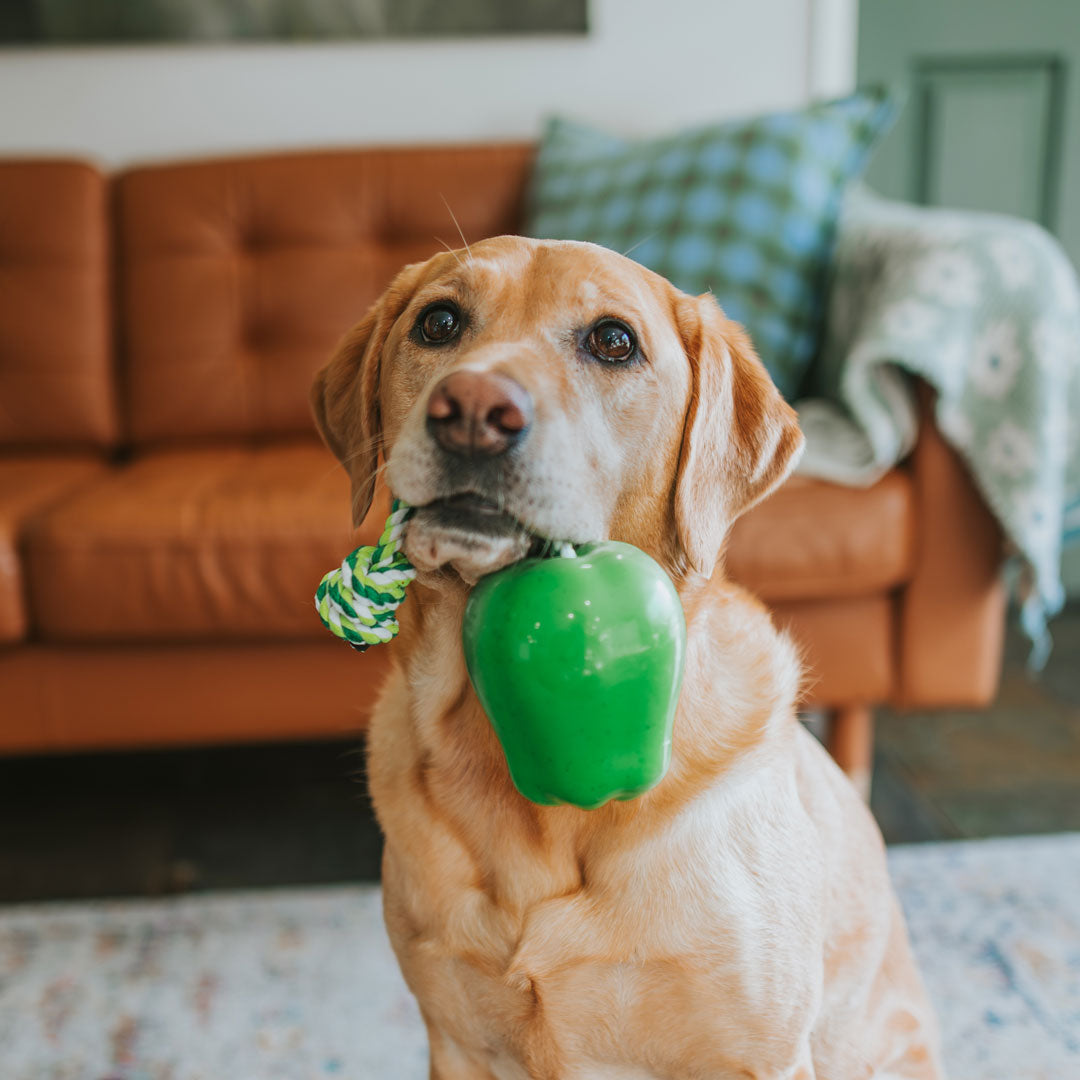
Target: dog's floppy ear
(740, 439)
(345, 393)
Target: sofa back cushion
(56, 378)
(237, 277)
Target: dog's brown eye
(439, 323)
(611, 341)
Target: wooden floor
(1004, 771)
(147, 824)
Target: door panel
(986, 135)
(993, 114)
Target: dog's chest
(590, 984)
(560, 954)
(594, 1019)
(591, 1019)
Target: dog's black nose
(476, 412)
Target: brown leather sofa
(166, 510)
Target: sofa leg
(850, 740)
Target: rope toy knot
(358, 601)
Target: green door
(993, 114)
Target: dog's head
(530, 391)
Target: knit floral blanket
(986, 309)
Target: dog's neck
(738, 694)
(431, 745)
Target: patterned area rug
(301, 984)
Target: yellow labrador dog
(736, 921)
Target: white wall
(647, 65)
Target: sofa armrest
(951, 617)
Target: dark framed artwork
(86, 22)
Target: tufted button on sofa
(166, 509)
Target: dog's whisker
(450, 249)
(643, 240)
(373, 444)
(457, 225)
(370, 478)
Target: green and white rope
(358, 601)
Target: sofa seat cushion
(813, 540)
(196, 544)
(28, 486)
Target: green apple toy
(577, 659)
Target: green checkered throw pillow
(747, 210)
